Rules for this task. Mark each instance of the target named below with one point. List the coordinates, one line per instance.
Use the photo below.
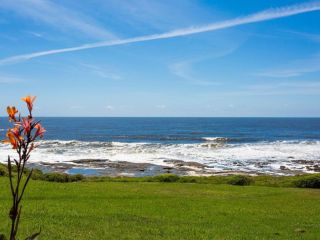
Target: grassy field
(150, 210)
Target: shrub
(37, 174)
(189, 179)
(55, 177)
(3, 170)
(167, 177)
(76, 177)
(240, 180)
(61, 177)
(310, 181)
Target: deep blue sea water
(179, 130)
(246, 144)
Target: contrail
(269, 14)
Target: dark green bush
(310, 181)
(189, 179)
(76, 177)
(301, 181)
(167, 177)
(240, 180)
(55, 177)
(62, 177)
(3, 170)
(37, 174)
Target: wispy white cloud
(35, 34)
(49, 12)
(161, 106)
(269, 14)
(309, 36)
(286, 73)
(10, 79)
(293, 69)
(184, 69)
(110, 108)
(147, 15)
(276, 89)
(101, 72)
(286, 85)
(10, 38)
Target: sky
(161, 58)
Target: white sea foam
(262, 156)
(215, 139)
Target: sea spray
(264, 157)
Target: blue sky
(161, 58)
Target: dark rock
(84, 161)
(173, 161)
(284, 168)
(167, 168)
(303, 161)
(315, 168)
(237, 163)
(261, 164)
(180, 163)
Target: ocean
(262, 145)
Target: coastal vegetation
(105, 208)
(299, 181)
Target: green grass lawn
(150, 210)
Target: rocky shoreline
(105, 167)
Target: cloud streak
(269, 14)
(50, 13)
(9, 79)
(305, 35)
(295, 69)
(101, 72)
(184, 69)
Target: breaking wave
(215, 139)
(266, 157)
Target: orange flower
(29, 100)
(26, 124)
(12, 112)
(11, 139)
(40, 130)
(16, 132)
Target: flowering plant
(22, 137)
